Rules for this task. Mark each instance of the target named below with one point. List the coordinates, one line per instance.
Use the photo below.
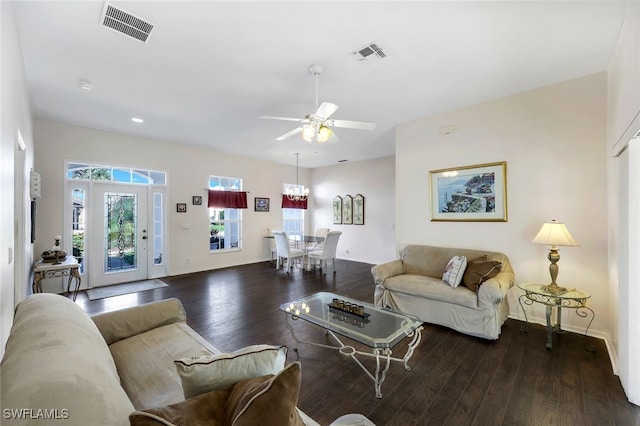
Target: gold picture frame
(475, 193)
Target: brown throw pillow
(268, 400)
(206, 409)
(479, 270)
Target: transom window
(86, 171)
(225, 224)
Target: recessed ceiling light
(85, 85)
(137, 120)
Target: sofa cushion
(145, 363)
(479, 270)
(201, 374)
(55, 357)
(127, 322)
(431, 288)
(454, 271)
(269, 399)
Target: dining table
(307, 243)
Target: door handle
(144, 232)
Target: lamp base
(554, 288)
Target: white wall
(372, 242)
(16, 253)
(554, 142)
(624, 187)
(188, 170)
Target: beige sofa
(413, 284)
(60, 365)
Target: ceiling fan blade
(348, 124)
(325, 110)
(272, 117)
(289, 134)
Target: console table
(572, 299)
(68, 267)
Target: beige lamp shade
(554, 234)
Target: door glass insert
(120, 232)
(78, 225)
(158, 238)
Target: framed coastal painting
(469, 193)
(347, 210)
(358, 209)
(337, 210)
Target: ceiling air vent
(369, 52)
(125, 23)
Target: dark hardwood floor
(455, 379)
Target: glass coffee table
(378, 328)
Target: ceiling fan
(316, 127)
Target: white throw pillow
(200, 374)
(455, 270)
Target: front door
(119, 228)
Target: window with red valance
(293, 204)
(227, 199)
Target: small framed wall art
(261, 204)
(181, 207)
(358, 209)
(196, 200)
(347, 210)
(337, 210)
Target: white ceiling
(211, 68)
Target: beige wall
(188, 171)
(16, 252)
(554, 142)
(373, 242)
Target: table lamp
(554, 234)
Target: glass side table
(572, 299)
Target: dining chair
(272, 242)
(285, 251)
(321, 232)
(327, 252)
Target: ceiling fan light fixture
(309, 132)
(324, 134)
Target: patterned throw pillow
(454, 271)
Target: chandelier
(299, 192)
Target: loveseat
(63, 366)
(413, 284)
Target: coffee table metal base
(382, 356)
